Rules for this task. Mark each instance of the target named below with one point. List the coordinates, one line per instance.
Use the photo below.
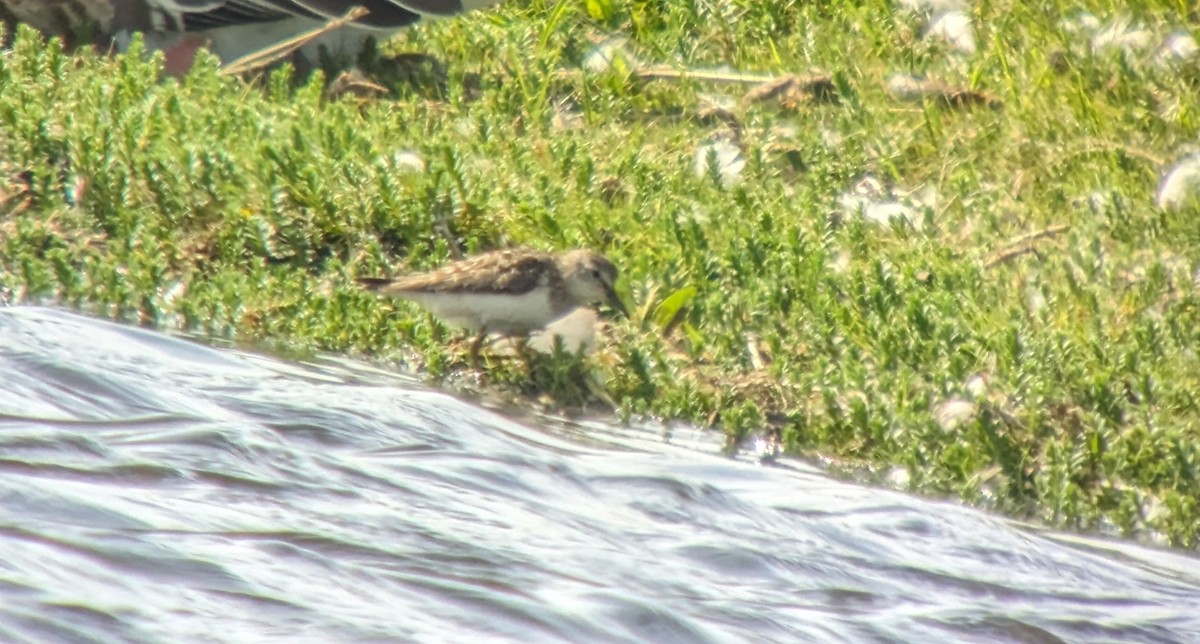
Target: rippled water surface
(154, 489)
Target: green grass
(246, 210)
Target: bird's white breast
(498, 313)
(472, 5)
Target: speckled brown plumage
(502, 271)
(508, 291)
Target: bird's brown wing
(503, 271)
(65, 16)
(386, 15)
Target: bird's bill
(615, 301)
(374, 284)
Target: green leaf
(600, 10)
(668, 313)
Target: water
(157, 490)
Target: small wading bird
(229, 28)
(512, 292)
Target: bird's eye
(596, 274)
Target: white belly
(498, 313)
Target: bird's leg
(476, 346)
(521, 344)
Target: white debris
(899, 478)
(1179, 47)
(1120, 33)
(1035, 300)
(1181, 183)
(871, 201)
(1123, 34)
(934, 6)
(766, 449)
(465, 127)
(906, 87)
(608, 54)
(977, 385)
(840, 262)
(1096, 201)
(884, 213)
(830, 138)
(955, 29)
(1084, 23)
(408, 161)
(722, 156)
(172, 293)
(1133, 39)
(953, 413)
(926, 197)
(717, 102)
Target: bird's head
(591, 278)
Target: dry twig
(278, 51)
(1023, 244)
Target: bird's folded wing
(492, 273)
(382, 14)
